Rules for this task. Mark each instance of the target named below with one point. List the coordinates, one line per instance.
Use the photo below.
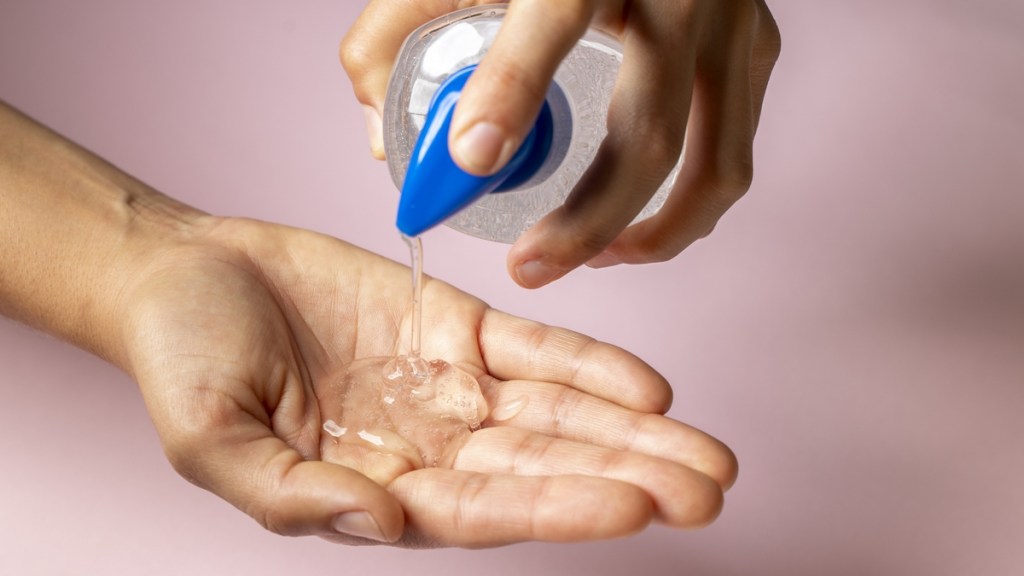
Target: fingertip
(482, 149)
(728, 470)
(707, 507)
(720, 464)
(502, 99)
(536, 273)
(359, 524)
(634, 511)
(529, 262)
(698, 502)
(648, 391)
(615, 374)
(374, 131)
(604, 260)
(660, 397)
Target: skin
(693, 71)
(234, 330)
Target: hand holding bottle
(694, 71)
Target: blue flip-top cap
(435, 188)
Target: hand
(234, 338)
(694, 70)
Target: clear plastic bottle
(578, 100)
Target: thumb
(244, 463)
(503, 97)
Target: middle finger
(683, 497)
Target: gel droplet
(374, 439)
(332, 428)
(509, 410)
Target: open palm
(237, 342)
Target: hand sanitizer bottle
(431, 70)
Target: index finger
(503, 97)
(519, 349)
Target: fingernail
(375, 131)
(604, 260)
(535, 273)
(483, 148)
(360, 524)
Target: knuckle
(464, 512)
(180, 453)
(737, 179)
(510, 76)
(582, 232)
(771, 41)
(742, 171)
(589, 238)
(660, 142)
(356, 56)
(583, 349)
(731, 177)
(563, 409)
(752, 21)
(531, 452)
(204, 412)
(769, 38)
(269, 504)
(656, 248)
(663, 146)
(270, 520)
(571, 15)
(538, 342)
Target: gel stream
(406, 412)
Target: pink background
(854, 329)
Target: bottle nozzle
(435, 188)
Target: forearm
(73, 231)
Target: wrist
(150, 229)
(74, 233)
